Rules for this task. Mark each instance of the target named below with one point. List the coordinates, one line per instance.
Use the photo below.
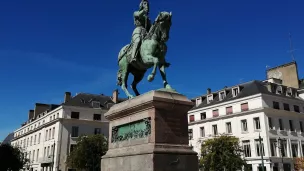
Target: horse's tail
(121, 54)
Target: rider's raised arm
(140, 13)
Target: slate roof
(85, 100)
(246, 89)
(8, 138)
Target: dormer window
(210, 98)
(235, 91)
(95, 104)
(222, 95)
(279, 90)
(198, 101)
(289, 92)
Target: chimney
(67, 96)
(115, 96)
(208, 90)
(40, 108)
(31, 114)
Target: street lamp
(280, 146)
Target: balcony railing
(47, 159)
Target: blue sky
(49, 47)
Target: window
(72, 147)
(75, 115)
(48, 150)
(202, 131)
(97, 117)
(259, 147)
(53, 135)
(246, 148)
(286, 107)
(191, 118)
(294, 149)
(190, 134)
(296, 108)
(235, 91)
(27, 143)
(39, 138)
(270, 123)
(35, 139)
(273, 147)
(257, 125)
(215, 113)
(228, 128)
(52, 150)
(95, 104)
(97, 131)
(222, 95)
(74, 131)
(229, 110)
(57, 115)
(301, 128)
(203, 115)
(33, 158)
(281, 124)
(276, 105)
(244, 107)
(50, 134)
(31, 141)
(279, 90)
(50, 118)
(209, 98)
(214, 129)
(283, 147)
(46, 135)
(29, 156)
(44, 152)
(244, 125)
(289, 92)
(291, 125)
(198, 101)
(37, 156)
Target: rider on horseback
(143, 24)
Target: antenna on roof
(291, 48)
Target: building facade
(51, 131)
(266, 109)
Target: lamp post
(261, 152)
(281, 148)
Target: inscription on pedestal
(133, 130)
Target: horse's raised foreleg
(155, 62)
(138, 76)
(164, 77)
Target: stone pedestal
(150, 133)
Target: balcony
(47, 159)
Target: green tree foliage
(11, 158)
(87, 153)
(222, 153)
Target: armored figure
(142, 27)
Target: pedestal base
(150, 133)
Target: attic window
(289, 92)
(235, 91)
(222, 95)
(279, 90)
(198, 101)
(210, 98)
(95, 104)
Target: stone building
(273, 109)
(51, 131)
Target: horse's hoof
(150, 78)
(167, 86)
(131, 97)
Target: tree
(11, 158)
(299, 163)
(222, 153)
(88, 152)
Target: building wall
(260, 106)
(288, 73)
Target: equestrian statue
(147, 49)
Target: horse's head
(163, 21)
